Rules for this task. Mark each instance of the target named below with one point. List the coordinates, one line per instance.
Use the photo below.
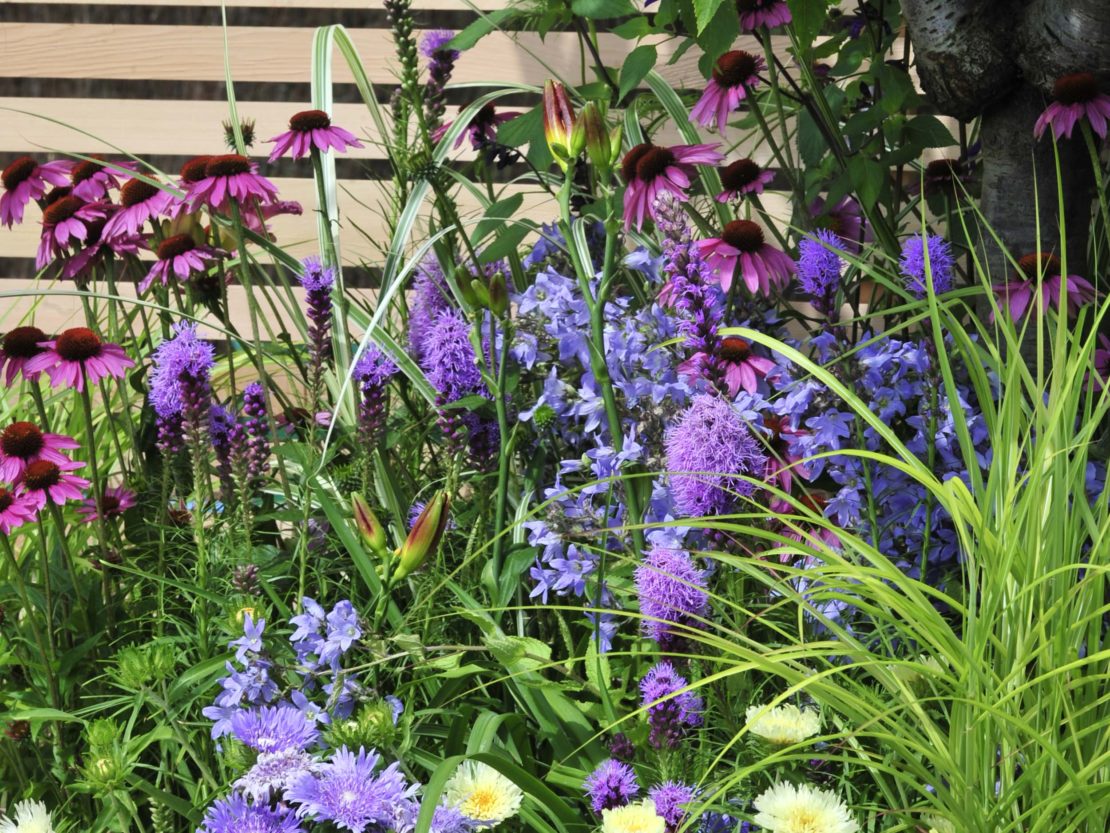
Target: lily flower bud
(424, 536)
(596, 137)
(558, 123)
(373, 533)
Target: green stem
(45, 647)
(500, 509)
(341, 343)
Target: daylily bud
(424, 536)
(373, 533)
(498, 295)
(598, 146)
(615, 137)
(558, 123)
(480, 293)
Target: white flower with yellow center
(30, 817)
(783, 725)
(786, 808)
(483, 794)
(633, 818)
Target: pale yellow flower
(787, 808)
(633, 818)
(783, 725)
(482, 793)
(30, 817)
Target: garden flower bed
(748, 475)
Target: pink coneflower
(311, 129)
(743, 177)
(756, 13)
(65, 221)
(76, 354)
(802, 529)
(92, 179)
(650, 170)
(1045, 269)
(845, 220)
(741, 243)
(141, 201)
(24, 180)
(19, 345)
(1102, 360)
(739, 367)
(99, 249)
(256, 220)
(114, 502)
(226, 178)
(782, 462)
(15, 510)
(1077, 96)
(734, 74)
(179, 256)
(44, 481)
(482, 128)
(23, 443)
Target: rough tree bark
(997, 60)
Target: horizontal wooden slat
(283, 54)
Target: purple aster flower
(448, 819)
(734, 74)
(612, 784)
(672, 802)
(757, 13)
(820, 266)
(743, 177)
(274, 772)
(234, 815)
(649, 170)
(182, 257)
(940, 264)
(311, 131)
(24, 180)
(708, 449)
(350, 793)
(1076, 97)
(273, 729)
(230, 178)
(671, 711)
(672, 595)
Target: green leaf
(809, 16)
(479, 29)
(811, 142)
(867, 178)
(602, 9)
(495, 217)
(633, 29)
(717, 38)
(507, 241)
(929, 132)
(637, 65)
(527, 129)
(704, 12)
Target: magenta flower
(141, 201)
(1102, 361)
(226, 178)
(15, 510)
(1043, 270)
(182, 257)
(23, 443)
(44, 481)
(649, 170)
(845, 220)
(114, 502)
(734, 74)
(782, 462)
(741, 244)
(92, 179)
(756, 13)
(311, 130)
(19, 345)
(743, 177)
(256, 220)
(24, 180)
(65, 221)
(76, 354)
(99, 249)
(739, 366)
(1076, 97)
(482, 128)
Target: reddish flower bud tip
(371, 529)
(424, 536)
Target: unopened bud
(373, 533)
(424, 536)
(498, 295)
(598, 146)
(558, 123)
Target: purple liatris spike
(179, 387)
(441, 63)
(372, 373)
(672, 596)
(318, 281)
(430, 298)
(622, 748)
(819, 267)
(221, 424)
(256, 428)
(449, 362)
(914, 268)
(676, 710)
(710, 450)
(612, 784)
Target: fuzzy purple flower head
(434, 41)
(940, 264)
(235, 815)
(273, 729)
(185, 356)
(709, 450)
(819, 264)
(449, 359)
(672, 802)
(612, 784)
(672, 595)
(676, 710)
